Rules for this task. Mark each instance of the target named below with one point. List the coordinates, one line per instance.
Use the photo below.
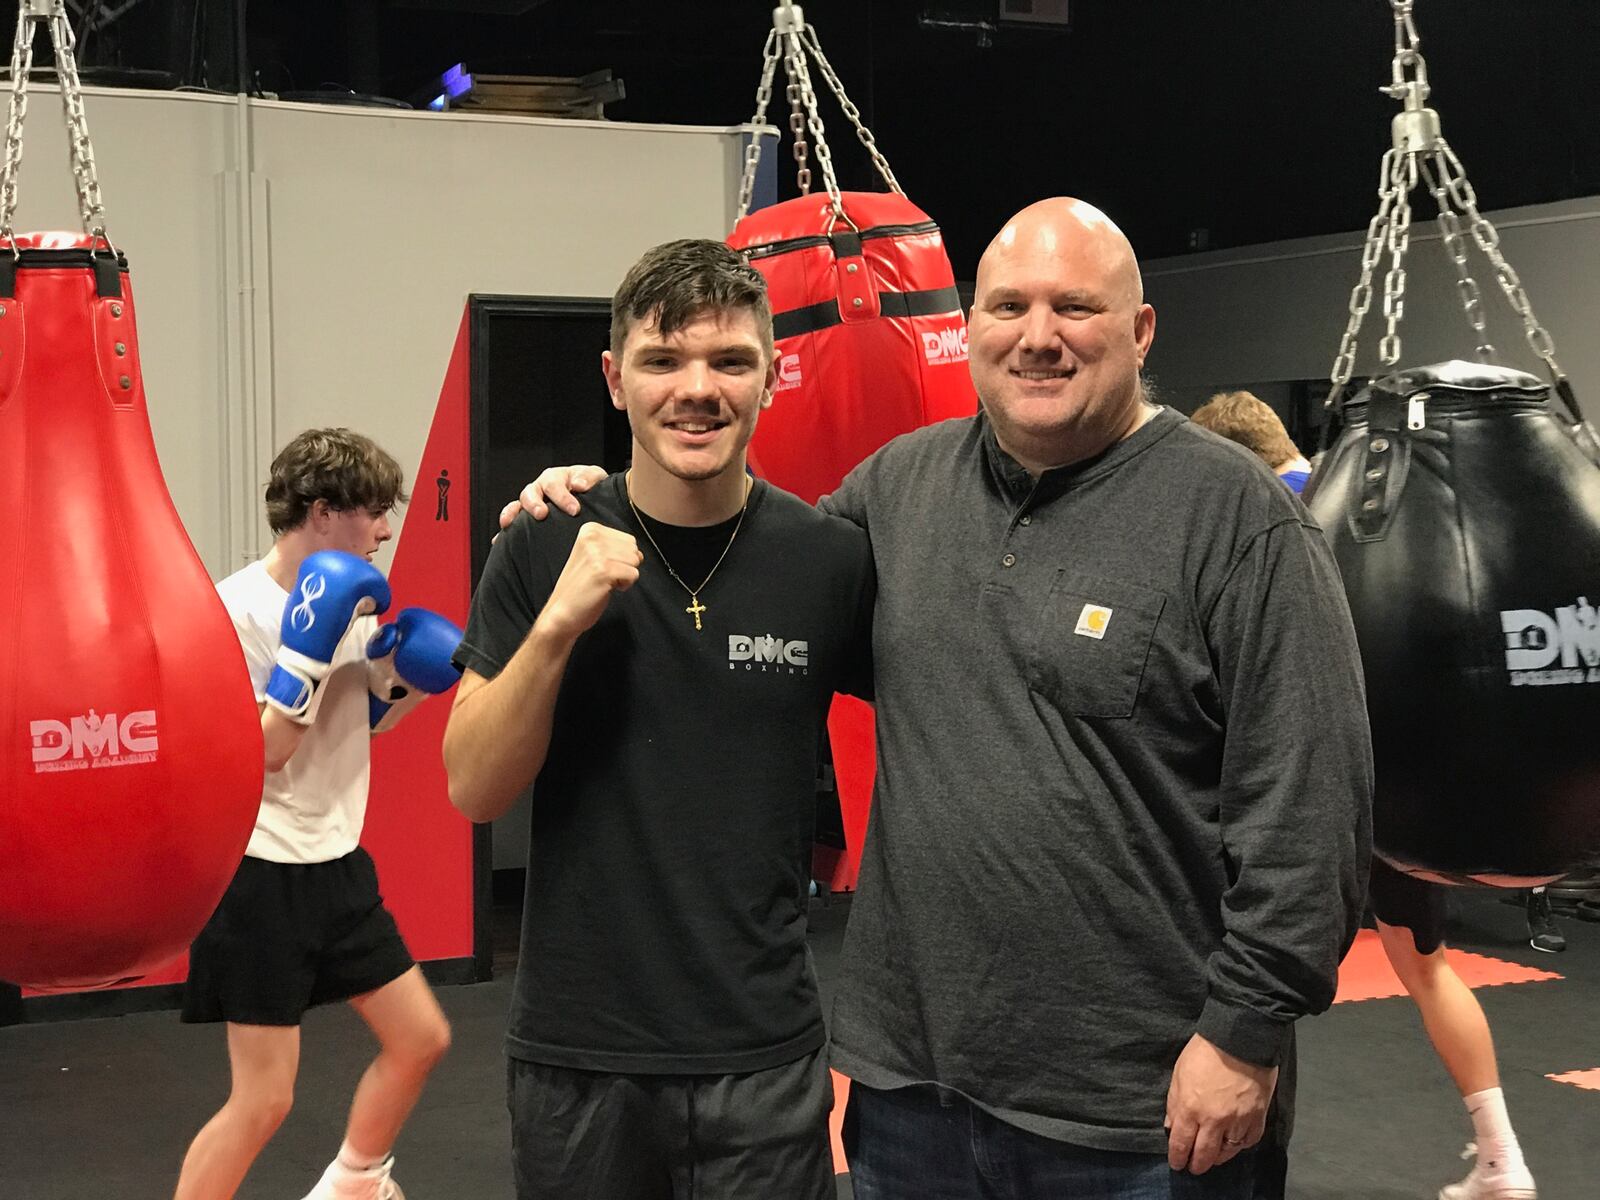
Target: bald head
(1059, 333)
(1062, 228)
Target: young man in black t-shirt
(660, 669)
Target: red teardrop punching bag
(130, 746)
(1465, 518)
(870, 336)
(871, 343)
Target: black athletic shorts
(759, 1136)
(288, 936)
(1407, 902)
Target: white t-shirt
(312, 810)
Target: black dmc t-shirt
(664, 922)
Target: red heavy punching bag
(871, 344)
(870, 337)
(1466, 521)
(132, 761)
(130, 747)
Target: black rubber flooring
(105, 1108)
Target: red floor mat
(1589, 1080)
(1365, 973)
(841, 1093)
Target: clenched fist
(603, 560)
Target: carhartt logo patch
(1092, 621)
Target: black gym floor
(98, 1108)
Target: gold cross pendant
(696, 608)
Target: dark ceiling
(1193, 122)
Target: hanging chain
(808, 98)
(1399, 241)
(1361, 297)
(1407, 42)
(797, 116)
(1435, 171)
(21, 67)
(851, 112)
(90, 208)
(1488, 239)
(770, 54)
(1420, 152)
(796, 44)
(85, 174)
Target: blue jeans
(929, 1143)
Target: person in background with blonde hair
(1241, 417)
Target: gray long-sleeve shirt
(1125, 775)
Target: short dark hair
(1241, 417)
(345, 468)
(678, 282)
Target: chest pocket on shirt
(1093, 642)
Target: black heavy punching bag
(1466, 522)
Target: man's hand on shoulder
(1216, 1106)
(558, 486)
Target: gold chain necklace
(695, 607)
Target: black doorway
(538, 399)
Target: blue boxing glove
(407, 662)
(332, 589)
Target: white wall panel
(300, 265)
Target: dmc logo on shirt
(945, 345)
(768, 654)
(94, 741)
(1092, 621)
(788, 372)
(1535, 640)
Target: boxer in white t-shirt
(303, 922)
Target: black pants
(1272, 1170)
(672, 1137)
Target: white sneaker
(1510, 1182)
(323, 1190)
(340, 1183)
